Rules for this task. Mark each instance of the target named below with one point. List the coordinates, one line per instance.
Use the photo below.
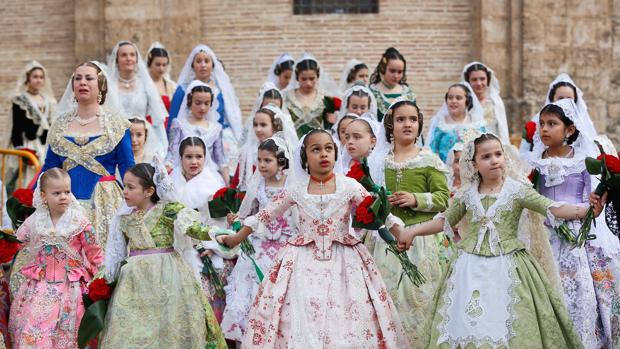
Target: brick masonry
(527, 42)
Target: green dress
(310, 117)
(425, 177)
(385, 99)
(494, 294)
(158, 302)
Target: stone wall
(527, 42)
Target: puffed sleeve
(453, 215)
(175, 105)
(276, 208)
(436, 199)
(92, 251)
(536, 202)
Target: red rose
(530, 129)
(99, 290)
(612, 163)
(24, 196)
(363, 214)
(356, 172)
(220, 193)
(337, 103)
(8, 250)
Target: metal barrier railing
(24, 159)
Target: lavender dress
(590, 285)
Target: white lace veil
(343, 84)
(376, 157)
(256, 180)
(272, 77)
(499, 110)
(159, 45)
(249, 149)
(325, 83)
(531, 230)
(475, 114)
(345, 100)
(267, 86)
(68, 104)
(222, 81)
(585, 141)
(185, 111)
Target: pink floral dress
(324, 290)
(47, 310)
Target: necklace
(84, 122)
(127, 83)
(322, 181)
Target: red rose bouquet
(372, 213)
(19, 206)
(96, 303)
(608, 167)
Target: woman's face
(193, 161)
(85, 85)
(36, 80)
(126, 58)
(478, 81)
(203, 66)
(394, 72)
(307, 81)
(201, 103)
(158, 67)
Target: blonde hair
(53, 173)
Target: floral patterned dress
(494, 293)
(47, 310)
(243, 282)
(324, 290)
(158, 301)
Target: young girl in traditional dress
(355, 71)
(494, 293)
(417, 179)
(310, 100)
(460, 112)
(561, 144)
(389, 81)
(139, 134)
(157, 301)
(47, 310)
(281, 71)
(324, 289)
(264, 186)
(195, 183)
(197, 118)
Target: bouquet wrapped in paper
(96, 304)
(372, 214)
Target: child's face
(321, 153)
(193, 161)
(201, 103)
(563, 92)
(456, 167)
(406, 124)
(456, 101)
(285, 77)
(360, 140)
(363, 76)
(274, 101)
(57, 194)
(342, 129)
(489, 160)
(138, 136)
(394, 72)
(134, 193)
(553, 131)
(267, 164)
(263, 127)
(358, 105)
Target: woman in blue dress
(91, 140)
